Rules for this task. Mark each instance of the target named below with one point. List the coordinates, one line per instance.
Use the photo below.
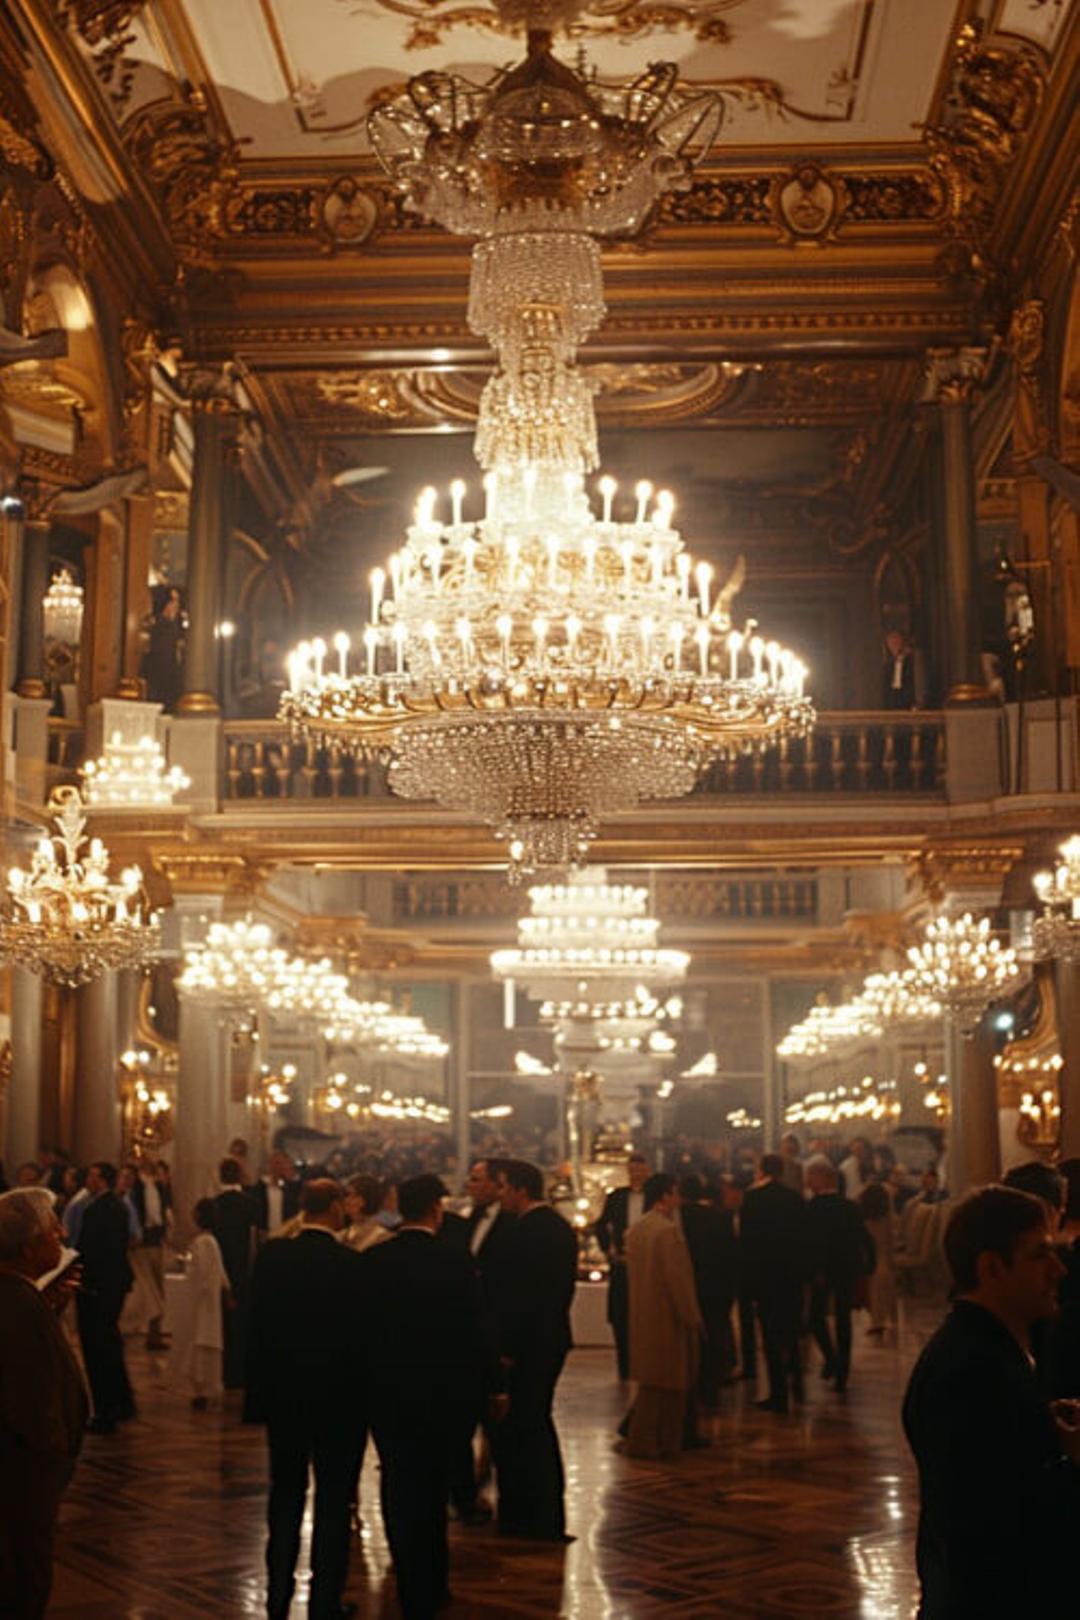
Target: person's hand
(63, 1289)
(1066, 1414)
(498, 1407)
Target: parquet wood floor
(811, 1515)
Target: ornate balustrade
(679, 897)
(852, 752)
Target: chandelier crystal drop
(1057, 932)
(552, 660)
(64, 917)
(962, 965)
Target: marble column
(974, 1134)
(952, 376)
(208, 517)
(1067, 994)
(97, 1091)
(203, 1124)
(24, 1095)
(458, 1078)
(772, 1114)
(35, 582)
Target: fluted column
(202, 1104)
(30, 681)
(97, 1093)
(974, 1134)
(1067, 995)
(460, 1100)
(24, 1095)
(952, 375)
(209, 514)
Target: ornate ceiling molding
(434, 20)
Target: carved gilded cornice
(954, 376)
(948, 868)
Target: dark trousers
(779, 1311)
(30, 1489)
(98, 1312)
(618, 1314)
(527, 1455)
(234, 1336)
(414, 1440)
(717, 1351)
(327, 1442)
(840, 1290)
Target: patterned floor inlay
(810, 1515)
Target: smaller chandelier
(867, 1098)
(963, 966)
(1057, 932)
(64, 918)
(829, 1029)
(62, 610)
(132, 773)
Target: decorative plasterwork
(434, 20)
(945, 868)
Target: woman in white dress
(210, 1294)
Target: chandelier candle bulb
(734, 642)
(757, 653)
(400, 634)
(643, 491)
(683, 566)
(701, 636)
(457, 497)
(703, 574)
(378, 584)
(425, 509)
(371, 642)
(608, 487)
(341, 646)
(665, 509)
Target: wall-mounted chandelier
(962, 965)
(62, 610)
(1057, 932)
(64, 917)
(551, 661)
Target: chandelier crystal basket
(1057, 932)
(64, 917)
(962, 965)
(62, 610)
(550, 661)
(132, 772)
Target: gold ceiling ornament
(64, 917)
(543, 665)
(596, 19)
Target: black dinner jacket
(428, 1334)
(233, 1226)
(308, 1309)
(710, 1237)
(291, 1193)
(492, 1254)
(999, 1500)
(612, 1223)
(104, 1236)
(839, 1247)
(537, 1287)
(772, 1232)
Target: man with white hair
(43, 1405)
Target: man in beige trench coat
(665, 1324)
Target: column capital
(953, 376)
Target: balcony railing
(678, 897)
(848, 753)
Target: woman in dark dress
(161, 666)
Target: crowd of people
(347, 1306)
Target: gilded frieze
(432, 22)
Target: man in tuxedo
(42, 1403)
(431, 1363)
(773, 1246)
(276, 1196)
(623, 1208)
(839, 1251)
(710, 1238)
(305, 1382)
(104, 1237)
(999, 1480)
(234, 1228)
(535, 1294)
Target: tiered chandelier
(545, 664)
(590, 954)
(65, 918)
(1057, 932)
(962, 965)
(132, 772)
(62, 610)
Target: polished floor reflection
(781, 1517)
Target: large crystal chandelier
(132, 771)
(1057, 932)
(962, 965)
(62, 609)
(64, 917)
(547, 662)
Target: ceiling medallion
(545, 664)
